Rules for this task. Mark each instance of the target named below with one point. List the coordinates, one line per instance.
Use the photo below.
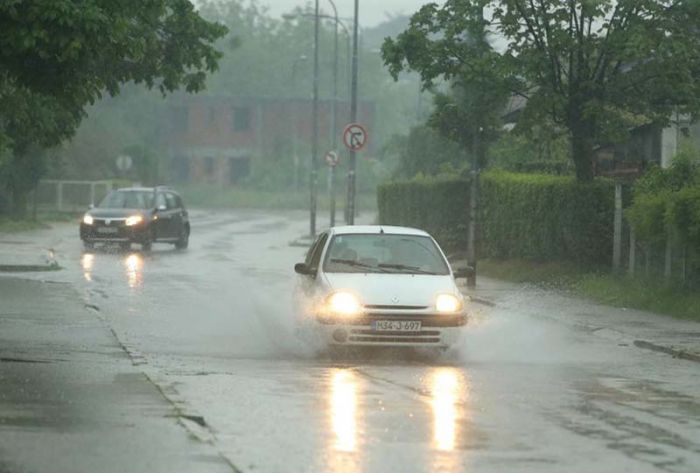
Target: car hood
(116, 213)
(393, 289)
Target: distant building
(218, 139)
(648, 145)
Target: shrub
(528, 216)
(437, 205)
(546, 218)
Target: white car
(379, 286)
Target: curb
(481, 300)
(50, 265)
(683, 355)
(27, 268)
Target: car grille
(428, 320)
(396, 307)
(371, 336)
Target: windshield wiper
(356, 264)
(403, 267)
(350, 262)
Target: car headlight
(343, 303)
(88, 220)
(134, 220)
(448, 304)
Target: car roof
(377, 229)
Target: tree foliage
(58, 56)
(590, 67)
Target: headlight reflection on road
(446, 387)
(87, 262)
(344, 410)
(134, 269)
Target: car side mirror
(303, 269)
(91, 206)
(161, 208)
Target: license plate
(107, 230)
(396, 325)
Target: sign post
(355, 139)
(332, 159)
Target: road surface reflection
(343, 450)
(344, 410)
(87, 262)
(449, 397)
(134, 270)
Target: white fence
(70, 196)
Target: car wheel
(184, 239)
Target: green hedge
(437, 205)
(667, 203)
(546, 218)
(530, 216)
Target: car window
(161, 201)
(314, 256)
(414, 254)
(128, 200)
(172, 201)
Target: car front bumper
(437, 330)
(117, 233)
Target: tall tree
(58, 56)
(591, 67)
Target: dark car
(137, 215)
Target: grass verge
(8, 225)
(615, 290)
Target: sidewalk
(71, 399)
(22, 252)
(678, 338)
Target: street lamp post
(314, 144)
(353, 119)
(334, 123)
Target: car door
(162, 222)
(176, 216)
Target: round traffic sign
(332, 158)
(355, 137)
(124, 162)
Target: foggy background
(372, 12)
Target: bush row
(437, 205)
(657, 217)
(530, 216)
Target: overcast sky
(372, 12)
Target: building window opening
(241, 119)
(209, 166)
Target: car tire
(184, 240)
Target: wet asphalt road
(212, 327)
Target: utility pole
(473, 209)
(334, 123)
(314, 146)
(353, 119)
(474, 189)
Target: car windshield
(128, 200)
(384, 253)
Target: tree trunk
(582, 152)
